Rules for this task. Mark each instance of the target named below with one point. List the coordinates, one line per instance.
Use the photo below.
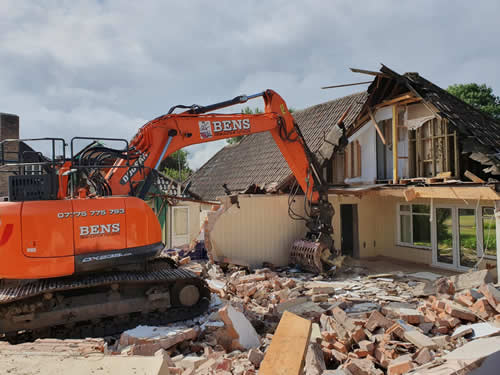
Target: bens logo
(210, 128)
(95, 230)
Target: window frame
(411, 213)
(480, 230)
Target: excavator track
(103, 304)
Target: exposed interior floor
(380, 265)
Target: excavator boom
(80, 246)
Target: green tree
(479, 96)
(176, 166)
(249, 111)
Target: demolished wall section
(260, 230)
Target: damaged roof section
(479, 133)
(256, 160)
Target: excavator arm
(166, 134)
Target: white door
(180, 226)
(455, 237)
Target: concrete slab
(97, 364)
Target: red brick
(483, 308)
(400, 366)
(328, 336)
(460, 312)
(430, 316)
(381, 356)
(360, 353)
(339, 357)
(340, 347)
(443, 330)
(361, 367)
(376, 320)
(358, 335)
(464, 300)
(423, 356)
(367, 346)
(327, 344)
(492, 294)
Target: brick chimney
(9, 129)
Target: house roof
(480, 133)
(257, 159)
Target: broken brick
(460, 312)
(424, 355)
(376, 320)
(482, 308)
(400, 365)
(492, 295)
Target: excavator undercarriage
(100, 304)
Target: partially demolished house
(416, 181)
(178, 211)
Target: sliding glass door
(455, 233)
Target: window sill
(413, 246)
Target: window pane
(489, 231)
(420, 209)
(488, 211)
(405, 225)
(467, 228)
(444, 235)
(421, 230)
(404, 207)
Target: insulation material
(418, 122)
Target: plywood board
(286, 354)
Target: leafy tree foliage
(479, 96)
(176, 166)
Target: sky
(104, 68)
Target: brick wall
(9, 129)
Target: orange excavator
(80, 247)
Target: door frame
(355, 228)
(455, 236)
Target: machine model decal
(225, 127)
(99, 230)
(104, 257)
(134, 168)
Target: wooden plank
(369, 72)
(379, 132)
(433, 147)
(346, 84)
(395, 100)
(358, 154)
(395, 144)
(444, 175)
(286, 354)
(471, 176)
(446, 145)
(418, 147)
(457, 159)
